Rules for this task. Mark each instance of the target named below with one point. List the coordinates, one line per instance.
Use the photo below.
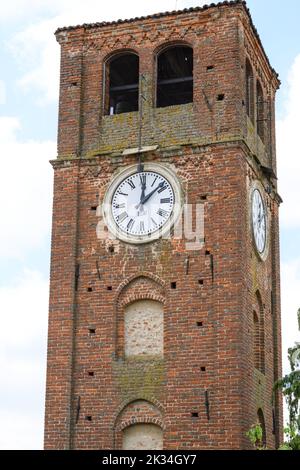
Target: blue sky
(28, 124)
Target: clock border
(167, 173)
(258, 185)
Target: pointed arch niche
(140, 318)
(139, 426)
(259, 334)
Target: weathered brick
(208, 327)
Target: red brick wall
(207, 143)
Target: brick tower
(158, 340)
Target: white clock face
(142, 203)
(259, 221)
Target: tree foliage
(255, 435)
(290, 387)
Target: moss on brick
(139, 376)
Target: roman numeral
(166, 200)
(163, 188)
(162, 213)
(154, 181)
(153, 221)
(122, 217)
(131, 184)
(119, 206)
(142, 227)
(123, 194)
(130, 224)
(143, 179)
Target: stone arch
(144, 287)
(146, 417)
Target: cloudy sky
(29, 74)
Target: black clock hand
(146, 198)
(143, 189)
(142, 194)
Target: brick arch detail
(134, 297)
(154, 415)
(141, 420)
(258, 326)
(152, 400)
(120, 51)
(261, 319)
(144, 274)
(145, 286)
(168, 43)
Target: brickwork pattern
(205, 391)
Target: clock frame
(164, 173)
(257, 197)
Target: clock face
(142, 203)
(259, 221)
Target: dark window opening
(260, 118)
(175, 76)
(249, 91)
(123, 83)
(173, 285)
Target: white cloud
(23, 341)
(25, 200)
(21, 430)
(2, 92)
(38, 54)
(25, 190)
(37, 51)
(288, 151)
(88, 10)
(290, 288)
(17, 10)
(8, 128)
